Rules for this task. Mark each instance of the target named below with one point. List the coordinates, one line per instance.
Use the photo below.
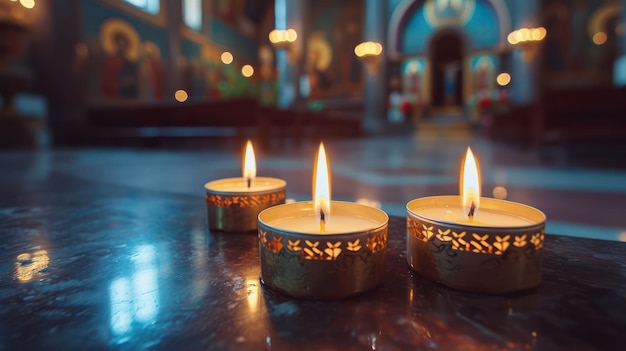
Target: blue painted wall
(229, 38)
(94, 13)
(481, 30)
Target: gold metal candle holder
(476, 258)
(237, 211)
(322, 266)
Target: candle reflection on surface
(28, 265)
(121, 305)
(135, 299)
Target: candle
(473, 243)
(233, 204)
(306, 245)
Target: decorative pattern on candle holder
(322, 267)
(323, 249)
(238, 213)
(464, 240)
(488, 260)
(245, 200)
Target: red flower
(406, 107)
(485, 103)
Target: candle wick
(249, 181)
(322, 221)
(470, 214)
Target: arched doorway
(446, 50)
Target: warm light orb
(292, 35)
(249, 163)
(500, 192)
(280, 36)
(503, 79)
(470, 183)
(321, 185)
(247, 71)
(227, 58)
(180, 95)
(599, 38)
(368, 48)
(29, 4)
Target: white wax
(240, 185)
(334, 225)
(482, 218)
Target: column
(524, 85)
(374, 29)
(174, 54)
(290, 14)
(619, 67)
(55, 36)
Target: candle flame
(249, 164)
(321, 188)
(470, 184)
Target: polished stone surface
(87, 267)
(108, 249)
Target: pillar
(55, 35)
(290, 14)
(374, 26)
(174, 54)
(524, 85)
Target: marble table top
(120, 268)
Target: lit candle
(473, 243)
(233, 204)
(317, 218)
(466, 209)
(304, 245)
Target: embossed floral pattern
(294, 245)
(354, 246)
(322, 249)
(484, 243)
(520, 241)
(245, 200)
(332, 250)
(427, 232)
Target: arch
(405, 8)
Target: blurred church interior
(144, 92)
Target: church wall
(227, 26)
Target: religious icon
(121, 43)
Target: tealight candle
(322, 249)
(473, 243)
(233, 204)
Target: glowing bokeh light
(227, 58)
(180, 95)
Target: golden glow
(321, 185)
(503, 79)
(247, 71)
(29, 4)
(538, 33)
(28, 265)
(524, 35)
(180, 95)
(500, 192)
(249, 162)
(292, 35)
(252, 289)
(599, 38)
(278, 36)
(368, 48)
(227, 58)
(470, 183)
